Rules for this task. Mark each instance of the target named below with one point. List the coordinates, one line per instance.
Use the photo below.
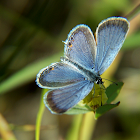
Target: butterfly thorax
(93, 77)
(89, 74)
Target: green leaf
(78, 110)
(103, 109)
(112, 91)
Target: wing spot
(51, 68)
(85, 78)
(70, 44)
(72, 38)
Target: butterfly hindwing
(60, 100)
(110, 36)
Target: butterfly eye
(98, 80)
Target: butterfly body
(85, 59)
(89, 74)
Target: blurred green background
(31, 35)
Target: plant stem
(87, 126)
(133, 13)
(39, 115)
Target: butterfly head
(99, 80)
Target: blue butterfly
(85, 59)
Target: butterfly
(85, 59)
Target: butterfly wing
(80, 46)
(110, 36)
(60, 100)
(58, 75)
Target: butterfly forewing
(110, 35)
(80, 46)
(58, 75)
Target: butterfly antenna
(111, 81)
